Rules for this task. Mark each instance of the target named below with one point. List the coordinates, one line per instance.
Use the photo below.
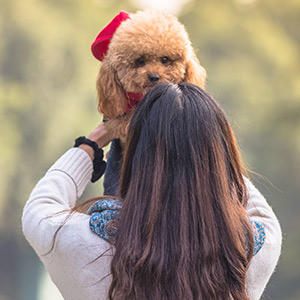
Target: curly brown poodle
(148, 48)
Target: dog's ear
(195, 73)
(111, 96)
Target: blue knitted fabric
(104, 216)
(104, 219)
(258, 234)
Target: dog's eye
(140, 62)
(164, 60)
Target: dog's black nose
(153, 77)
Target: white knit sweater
(76, 245)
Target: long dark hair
(183, 228)
(183, 231)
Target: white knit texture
(76, 245)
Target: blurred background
(251, 51)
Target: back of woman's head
(183, 229)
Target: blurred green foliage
(251, 50)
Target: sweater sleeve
(58, 190)
(76, 246)
(264, 262)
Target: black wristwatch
(99, 164)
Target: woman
(182, 232)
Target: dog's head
(148, 48)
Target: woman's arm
(76, 245)
(264, 262)
(59, 190)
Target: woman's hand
(101, 136)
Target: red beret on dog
(100, 45)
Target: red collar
(132, 100)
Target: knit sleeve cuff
(77, 164)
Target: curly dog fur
(149, 48)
